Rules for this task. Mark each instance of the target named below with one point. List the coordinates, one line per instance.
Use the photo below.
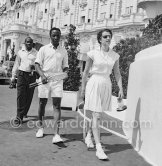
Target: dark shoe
(17, 121)
(121, 109)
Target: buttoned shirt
(24, 60)
(102, 64)
(52, 60)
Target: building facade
(22, 18)
(152, 8)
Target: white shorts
(53, 88)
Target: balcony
(129, 19)
(103, 23)
(28, 1)
(152, 7)
(88, 27)
(20, 28)
(16, 28)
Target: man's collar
(51, 45)
(24, 49)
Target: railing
(28, 1)
(25, 28)
(90, 26)
(132, 18)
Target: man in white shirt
(51, 59)
(23, 66)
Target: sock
(89, 134)
(98, 146)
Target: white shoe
(57, 139)
(39, 133)
(88, 142)
(101, 154)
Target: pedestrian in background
(97, 91)
(51, 59)
(23, 70)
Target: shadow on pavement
(73, 137)
(51, 117)
(116, 148)
(27, 125)
(61, 145)
(7, 125)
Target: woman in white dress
(97, 91)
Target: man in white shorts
(51, 59)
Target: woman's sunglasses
(107, 36)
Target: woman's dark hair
(54, 28)
(99, 34)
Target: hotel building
(22, 18)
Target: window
(127, 10)
(45, 10)
(17, 15)
(73, 2)
(84, 64)
(89, 15)
(51, 22)
(71, 18)
(102, 16)
(44, 24)
(58, 5)
(82, 19)
(56, 22)
(111, 10)
(131, 9)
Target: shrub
(128, 48)
(73, 82)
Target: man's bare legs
(56, 101)
(41, 112)
(57, 115)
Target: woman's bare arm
(89, 62)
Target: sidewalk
(20, 147)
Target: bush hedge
(128, 48)
(73, 82)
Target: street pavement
(20, 147)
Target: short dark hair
(99, 34)
(28, 38)
(54, 28)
